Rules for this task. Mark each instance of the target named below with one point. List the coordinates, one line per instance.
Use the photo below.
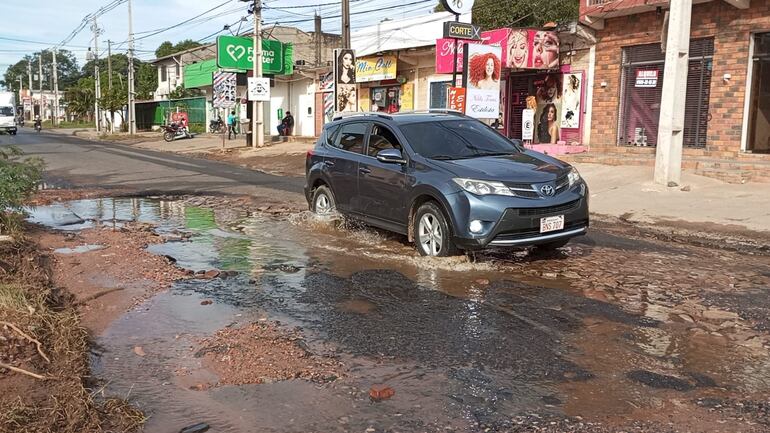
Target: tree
(80, 98)
(66, 66)
(182, 92)
(495, 14)
(146, 81)
(167, 48)
(18, 179)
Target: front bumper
(513, 221)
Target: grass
(63, 402)
(68, 125)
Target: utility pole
(131, 104)
(109, 83)
(40, 82)
(668, 155)
(346, 24)
(318, 39)
(97, 90)
(29, 77)
(55, 90)
(257, 121)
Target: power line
(183, 22)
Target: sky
(51, 21)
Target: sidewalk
(628, 192)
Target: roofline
(179, 53)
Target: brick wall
(731, 29)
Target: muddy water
(612, 328)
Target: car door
(382, 187)
(346, 153)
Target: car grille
(534, 232)
(528, 190)
(562, 184)
(538, 211)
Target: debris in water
(139, 351)
(381, 392)
(195, 428)
(206, 302)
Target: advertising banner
(528, 124)
(258, 89)
(646, 78)
(407, 97)
(456, 99)
(345, 91)
(482, 81)
(225, 89)
(375, 68)
(532, 49)
(570, 100)
(236, 52)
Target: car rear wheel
(323, 201)
(432, 235)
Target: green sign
(235, 52)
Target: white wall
(295, 96)
(172, 79)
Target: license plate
(552, 223)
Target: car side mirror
(391, 156)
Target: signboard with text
(456, 99)
(482, 81)
(235, 52)
(225, 89)
(375, 68)
(646, 78)
(258, 89)
(460, 30)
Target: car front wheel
(432, 235)
(323, 201)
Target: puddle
(466, 342)
(79, 249)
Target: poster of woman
(570, 102)
(518, 49)
(346, 67)
(545, 50)
(483, 81)
(346, 97)
(548, 95)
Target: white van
(8, 112)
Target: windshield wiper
(478, 155)
(444, 157)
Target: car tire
(551, 246)
(432, 235)
(323, 201)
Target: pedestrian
(231, 132)
(287, 124)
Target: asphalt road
(71, 161)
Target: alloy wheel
(430, 235)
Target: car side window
(351, 137)
(382, 138)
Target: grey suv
(447, 181)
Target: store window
(759, 108)
(438, 92)
(387, 99)
(641, 90)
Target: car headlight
(573, 177)
(483, 187)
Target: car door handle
(364, 170)
(330, 163)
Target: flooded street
(618, 331)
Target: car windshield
(6, 111)
(456, 139)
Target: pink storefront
(532, 69)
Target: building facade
(727, 108)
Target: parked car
(445, 180)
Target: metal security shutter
(519, 89)
(640, 107)
(696, 110)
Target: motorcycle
(173, 131)
(38, 126)
(217, 126)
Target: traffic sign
(259, 89)
(236, 52)
(225, 89)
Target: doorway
(759, 108)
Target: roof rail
(346, 114)
(434, 110)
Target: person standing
(231, 119)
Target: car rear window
(6, 111)
(456, 139)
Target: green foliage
(146, 81)
(66, 66)
(196, 128)
(167, 48)
(495, 14)
(80, 98)
(18, 178)
(181, 92)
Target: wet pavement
(616, 332)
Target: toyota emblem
(547, 190)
